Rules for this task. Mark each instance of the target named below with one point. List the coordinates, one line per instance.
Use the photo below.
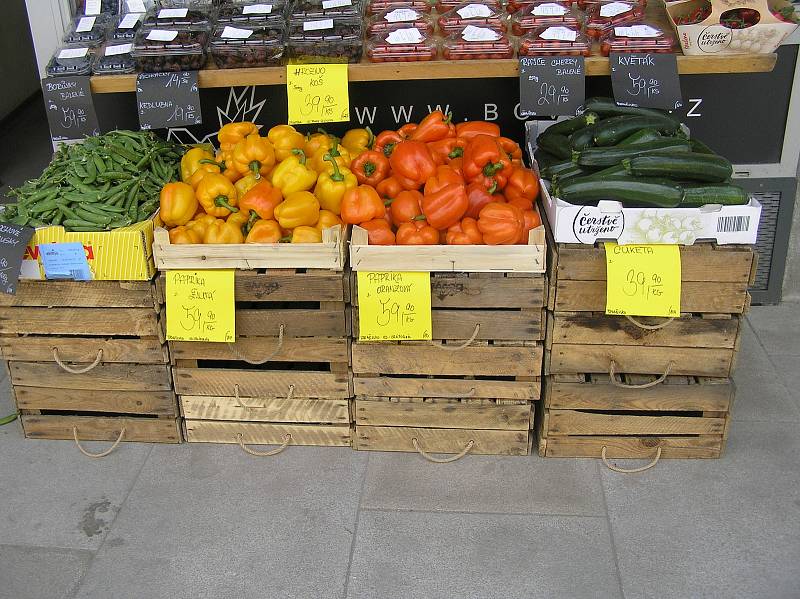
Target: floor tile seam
(363, 484)
(476, 513)
(610, 531)
(40, 546)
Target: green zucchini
(556, 144)
(613, 172)
(569, 173)
(630, 192)
(610, 131)
(699, 147)
(544, 158)
(558, 167)
(582, 138)
(697, 167)
(640, 137)
(572, 125)
(600, 157)
(700, 195)
(606, 107)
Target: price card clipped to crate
(200, 306)
(317, 93)
(643, 280)
(394, 306)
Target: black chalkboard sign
(13, 240)
(647, 80)
(168, 100)
(70, 108)
(551, 85)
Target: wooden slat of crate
(388, 386)
(293, 349)
(261, 383)
(146, 350)
(441, 440)
(326, 411)
(601, 329)
(157, 403)
(421, 358)
(263, 433)
(102, 428)
(120, 377)
(576, 422)
(327, 321)
(494, 324)
(704, 446)
(80, 294)
(139, 322)
(377, 412)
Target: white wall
(48, 20)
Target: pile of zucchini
(637, 156)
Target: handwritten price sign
(200, 306)
(551, 85)
(317, 93)
(394, 306)
(643, 280)
(649, 80)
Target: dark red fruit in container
(555, 39)
(601, 18)
(542, 13)
(638, 37)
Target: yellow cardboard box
(124, 254)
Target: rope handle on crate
(467, 448)
(464, 345)
(276, 351)
(102, 454)
(287, 438)
(289, 396)
(611, 466)
(71, 370)
(651, 327)
(612, 372)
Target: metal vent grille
(770, 203)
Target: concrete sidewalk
(205, 521)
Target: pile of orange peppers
(284, 187)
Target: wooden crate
(89, 359)
(686, 417)
(287, 372)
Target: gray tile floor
(199, 521)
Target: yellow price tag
(394, 306)
(200, 306)
(317, 93)
(643, 280)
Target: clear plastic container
(176, 49)
(477, 43)
(602, 18)
(638, 37)
(256, 12)
(204, 4)
(555, 39)
(585, 4)
(87, 30)
(114, 59)
(326, 40)
(128, 6)
(71, 59)
(376, 6)
(479, 14)
(442, 6)
(400, 18)
(401, 45)
(320, 9)
(242, 46)
(96, 7)
(543, 13)
(125, 27)
(192, 16)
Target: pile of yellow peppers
(285, 187)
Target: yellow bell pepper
(317, 141)
(254, 154)
(293, 174)
(358, 141)
(327, 219)
(331, 186)
(201, 172)
(225, 162)
(183, 235)
(239, 219)
(284, 139)
(221, 231)
(190, 162)
(232, 133)
(265, 231)
(320, 163)
(246, 183)
(304, 234)
(177, 204)
(217, 195)
(200, 223)
(299, 209)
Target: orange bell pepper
(361, 204)
(478, 196)
(501, 224)
(327, 219)
(416, 233)
(483, 156)
(370, 167)
(217, 195)
(177, 204)
(531, 220)
(412, 164)
(299, 209)
(407, 130)
(444, 176)
(306, 234)
(232, 133)
(221, 231)
(385, 142)
(446, 206)
(406, 207)
(511, 148)
(379, 232)
(316, 141)
(464, 233)
(182, 235)
(389, 188)
(265, 231)
(522, 185)
(260, 202)
(447, 149)
(469, 129)
(254, 154)
(433, 127)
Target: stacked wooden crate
(641, 387)
(470, 389)
(88, 361)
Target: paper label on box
(85, 24)
(173, 13)
(410, 35)
(257, 9)
(401, 15)
(135, 5)
(65, 261)
(612, 9)
(636, 31)
(73, 52)
(129, 21)
(318, 25)
(200, 306)
(162, 35)
(643, 280)
(234, 33)
(564, 34)
(549, 9)
(118, 49)
(92, 7)
(479, 34)
(326, 4)
(394, 306)
(471, 11)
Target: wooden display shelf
(439, 69)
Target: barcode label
(733, 224)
